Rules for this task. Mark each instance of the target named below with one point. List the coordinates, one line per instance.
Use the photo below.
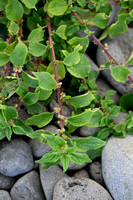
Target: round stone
(15, 157)
(117, 167)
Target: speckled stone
(6, 182)
(95, 172)
(15, 157)
(77, 189)
(81, 174)
(117, 167)
(49, 177)
(4, 195)
(87, 131)
(28, 187)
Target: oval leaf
(81, 119)
(36, 35)
(37, 49)
(82, 100)
(14, 10)
(57, 7)
(4, 59)
(19, 54)
(120, 73)
(46, 81)
(40, 120)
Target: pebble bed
(106, 178)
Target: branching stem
(55, 69)
(101, 45)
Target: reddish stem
(101, 45)
(55, 69)
(109, 3)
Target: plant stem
(109, 3)
(101, 45)
(55, 69)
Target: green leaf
(115, 111)
(14, 10)
(104, 133)
(18, 130)
(100, 20)
(72, 59)
(19, 54)
(36, 35)
(65, 162)
(4, 59)
(56, 142)
(13, 28)
(119, 127)
(50, 157)
(81, 119)
(130, 60)
(82, 100)
(94, 153)
(40, 120)
(126, 102)
(3, 3)
(26, 129)
(57, 7)
(82, 3)
(44, 94)
(61, 32)
(95, 120)
(3, 45)
(60, 70)
(46, 81)
(10, 48)
(49, 164)
(29, 3)
(82, 69)
(22, 90)
(89, 143)
(34, 109)
(119, 27)
(31, 98)
(29, 80)
(37, 49)
(119, 73)
(10, 113)
(79, 158)
(84, 42)
(8, 132)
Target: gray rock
(4, 195)
(95, 172)
(87, 131)
(15, 157)
(77, 189)
(120, 51)
(81, 174)
(117, 167)
(49, 178)
(121, 117)
(6, 182)
(51, 128)
(103, 87)
(114, 17)
(28, 187)
(38, 148)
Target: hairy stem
(101, 45)
(55, 69)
